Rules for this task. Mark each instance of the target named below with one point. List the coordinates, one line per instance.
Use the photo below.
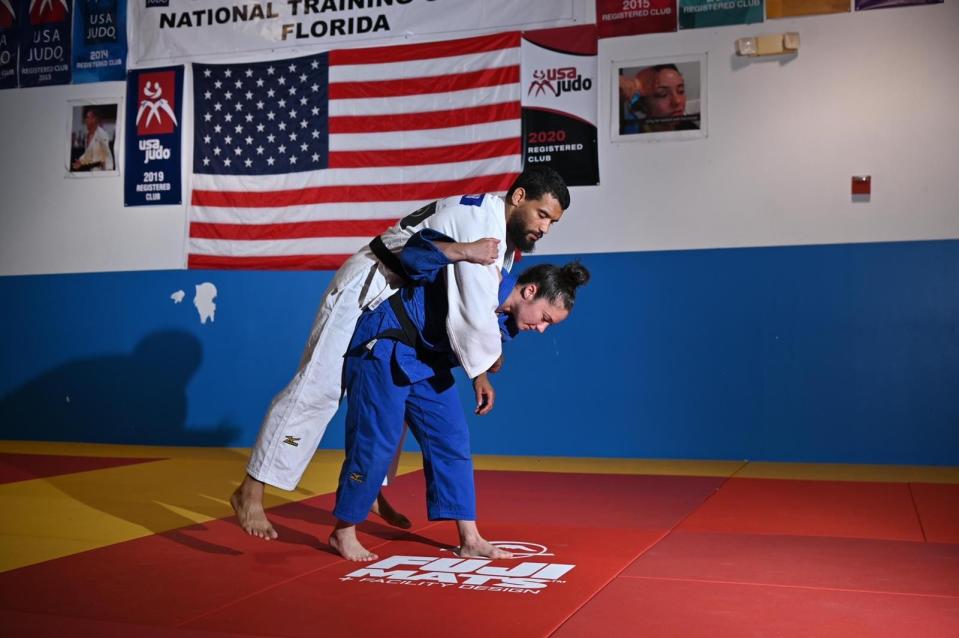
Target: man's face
(530, 219)
(536, 314)
(90, 120)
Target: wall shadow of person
(137, 398)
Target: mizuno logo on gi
(292, 440)
(356, 477)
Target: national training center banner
(9, 44)
(45, 27)
(634, 17)
(154, 115)
(99, 40)
(559, 102)
(167, 30)
(696, 14)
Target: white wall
(874, 92)
(870, 93)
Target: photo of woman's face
(668, 99)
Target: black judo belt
(407, 332)
(389, 259)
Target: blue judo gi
(388, 381)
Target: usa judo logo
(47, 11)
(7, 15)
(558, 81)
(156, 98)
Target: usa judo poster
(659, 99)
(99, 40)
(93, 131)
(9, 44)
(635, 17)
(559, 102)
(696, 14)
(153, 158)
(45, 38)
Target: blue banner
(45, 30)
(153, 152)
(9, 41)
(99, 40)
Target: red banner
(633, 17)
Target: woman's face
(536, 314)
(668, 98)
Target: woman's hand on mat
(485, 395)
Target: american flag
(298, 162)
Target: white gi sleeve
(472, 289)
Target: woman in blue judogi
(398, 367)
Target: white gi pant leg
(299, 414)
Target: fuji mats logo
(468, 573)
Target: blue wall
(845, 353)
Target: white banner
(173, 30)
(558, 81)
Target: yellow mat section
(606, 465)
(56, 516)
(841, 472)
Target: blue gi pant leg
(435, 416)
(374, 425)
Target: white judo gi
(299, 414)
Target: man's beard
(518, 235)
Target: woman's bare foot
(384, 510)
(472, 545)
(247, 502)
(344, 541)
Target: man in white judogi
(299, 414)
(96, 156)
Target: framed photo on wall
(659, 99)
(92, 130)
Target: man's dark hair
(556, 283)
(541, 180)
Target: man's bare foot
(472, 545)
(343, 540)
(384, 510)
(247, 502)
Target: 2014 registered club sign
(478, 574)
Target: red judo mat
(810, 508)
(694, 609)
(930, 569)
(24, 467)
(938, 509)
(597, 555)
(215, 578)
